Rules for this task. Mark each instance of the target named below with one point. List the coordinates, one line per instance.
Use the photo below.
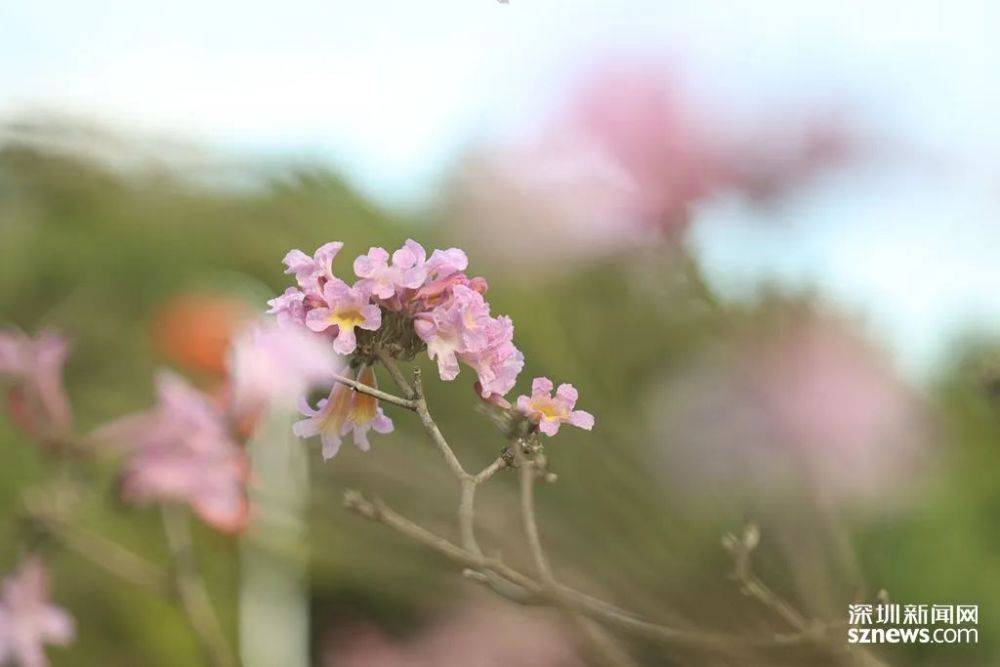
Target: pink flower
(647, 123)
(476, 633)
(344, 411)
(548, 412)
(346, 308)
(538, 203)
(182, 451)
(37, 399)
(312, 272)
(434, 293)
(458, 326)
(274, 365)
(289, 308)
(407, 270)
(499, 362)
(28, 620)
(810, 405)
(443, 263)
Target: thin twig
(432, 428)
(537, 594)
(191, 591)
(527, 478)
(377, 393)
(487, 473)
(509, 582)
(467, 515)
(742, 549)
(603, 645)
(397, 375)
(378, 511)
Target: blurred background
(760, 238)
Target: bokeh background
(761, 239)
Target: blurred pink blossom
(473, 635)
(275, 365)
(624, 160)
(34, 367)
(550, 412)
(28, 620)
(813, 404)
(645, 121)
(537, 205)
(182, 451)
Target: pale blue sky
(387, 92)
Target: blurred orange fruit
(194, 330)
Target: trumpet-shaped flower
(28, 620)
(458, 326)
(550, 412)
(439, 291)
(499, 362)
(289, 308)
(38, 398)
(312, 273)
(345, 308)
(385, 280)
(182, 451)
(344, 411)
(443, 263)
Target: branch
(527, 478)
(432, 428)
(603, 645)
(397, 375)
(378, 511)
(537, 594)
(377, 393)
(742, 551)
(511, 583)
(190, 588)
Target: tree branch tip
(356, 502)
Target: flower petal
(549, 426)
(582, 419)
(541, 385)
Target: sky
(389, 92)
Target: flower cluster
(27, 619)
(405, 302)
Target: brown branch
(397, 375)
(518, 587)
(603, 645)
(537, 594)
(742, 549)
(432, 429)
(377, 393)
